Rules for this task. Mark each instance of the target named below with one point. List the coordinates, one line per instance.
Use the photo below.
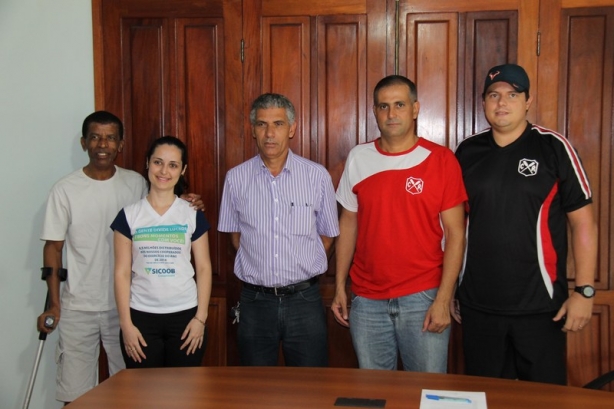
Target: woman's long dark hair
(182, 184)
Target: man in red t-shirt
(402, 239)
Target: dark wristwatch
(587, 291)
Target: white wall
(46, 90)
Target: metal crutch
(42, 336)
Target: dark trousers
(162, 333)
(297, 321)
(525, 347)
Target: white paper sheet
(436, 399)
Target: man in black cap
(525, 183)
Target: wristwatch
(587, 291)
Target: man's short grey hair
(266, 101)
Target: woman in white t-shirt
(162, 309)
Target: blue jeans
(382, 328)
(297, 321)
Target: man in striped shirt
(281, 213)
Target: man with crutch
(80, 209)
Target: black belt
(287, 290)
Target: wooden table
(282, 387)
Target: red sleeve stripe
(573, 157)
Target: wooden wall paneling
(234, 118)
(108, 65)
(171, 9)
(430, 6)
(146, 28)
(379, 56)
(374, 10)
(164, 72)
(547, 84)
(146, 82)
(107, 56)
(215, 351)
(236, 124)
(342, 89)
(341, 72)
(98, 57)
(585, 111)
(589, 352)
(312, 7)
(252, 67)
(331, 79)
(286, 61)
(491, 39)
(570, 4)
(200, 114)
(340, 349)
(447, 48)
(236, 91)
(429, 56)
(482, 25)
(585, 105)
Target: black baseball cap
(513, 74)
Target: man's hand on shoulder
(195, 201)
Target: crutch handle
(49, 320)
(42, 336)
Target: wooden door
(326, 57)
(164, 68)
(447, 47)
(192, 69)
(566, 47)
(575, 84)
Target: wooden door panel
(164, 72)
(176, 68)
(429, 56)
(585, 101)
(585, 111)
(286, 70)
(200, 114)
(326, 81)
(215, 351)
(447, 47)
(312, 7)
(340, 349)
(344, 57)
(450, 77)
(589, 352)
(491, 38)
(145, 81)
(331, 57)
(341, 78)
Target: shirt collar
(287, 166)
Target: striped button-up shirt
(280, 220)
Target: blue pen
(448, 398)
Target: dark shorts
(526, 347)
